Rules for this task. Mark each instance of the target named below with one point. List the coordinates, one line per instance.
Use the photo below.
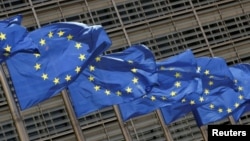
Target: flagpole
(164, 126)
(15, 113)
(73, 119)
(204, 133)
(124, 130)
(231, 119)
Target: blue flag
(13, 38)
(222, 97)
(177, 77)
(113, 79)
(64, 50)
(215, 78)
(219, 108)
(241, 73)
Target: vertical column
(34, 13)
(204, 133)
(164, 127)
(120, 20)
(73, 119)
(202, 30)
(124, 130)
(15, 113)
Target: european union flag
(113, 79)
(215, 78)
(241, 73)
(64, 50)
(13, 38)
(177, 77)
(219, 108)
(222, 97)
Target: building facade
(215, 28)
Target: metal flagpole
(165, 128)
(204, 133)
(231, 119)
(15, 113)
(124, 130)
(73, 119)
(34, 13)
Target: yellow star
(211, 106)
(56, 80)
(206, 91)
(42, 42)
(50, 34)
(97, 88)
(134, 70)
(241, 97)
(2, 36)
(229, 110)
(37, 55)
(163, 98)
(68, 78)
(192, 102)
(162, 68)
(91, 68)
(37, 66)
(78, 45)
(98, 59)
(135, 80)
(45, 76)
(173, 93)
(177, 75)
(69, 37)
(153, 98)
(107, 92)
(82, 57)
(78, 69)
(130, 62)
(183, 100)
(91, 78)
(220, 110)
(177, 84)
(7, 48)
(236, 105)
(240, 88)
(118, 93)
(210, 83)
(60, 33)
(201, 99)
(206, 72)
(6, 54)
(129, 90)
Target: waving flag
(216, 79)
(220, 94)
(177, 77)
(241, 73)
(65, 49)
(113, 79)
(13, 38)
(221, 107)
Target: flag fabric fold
(221, 95)
(176, 78)
(215, 78)
(65, 49)
(113, 79)
(241, 73)
(13, 38)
